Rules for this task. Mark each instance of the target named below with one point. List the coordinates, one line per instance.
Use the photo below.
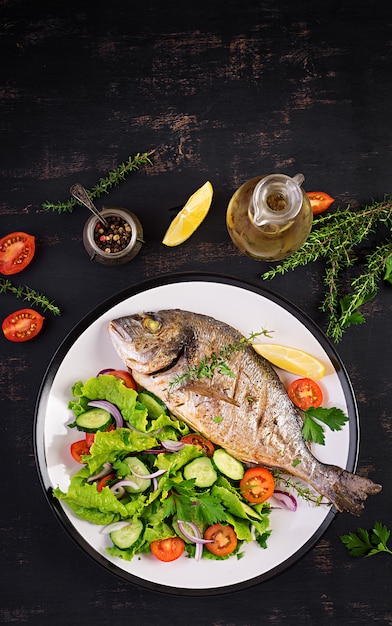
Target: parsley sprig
(332, 417)
(191, 505)
(363, 543)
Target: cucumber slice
(137, 466)
(202, 470)
(125, 537)
(154, 405)
(93, 420)
(228, 465)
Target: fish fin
(348, 491)
(209, 392)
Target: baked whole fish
(245, 409)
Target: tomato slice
(125, 377)
(224, 539)
(319, 201)
(78, 449)
(103, 482)
(90, 439)
(257, 485)
(305, 393)
(16, 251)
(200, 442)
(22, 325)
(168, 549)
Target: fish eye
(152, 325)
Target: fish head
(150, 342)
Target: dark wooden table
(220, 90)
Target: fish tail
(345, 490)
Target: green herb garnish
(336, 237)
(303, 492)
(105, 184)
(32, 296)
(192, 505)
(363, 543)
(216, 362)
(333, 418)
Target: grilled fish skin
(257, 422)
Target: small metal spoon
(78, 191)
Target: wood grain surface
(222, 91)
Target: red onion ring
(106, 469)
(286, 499)
(195, 536)
(108, 370)
(111, 408)
(150, 476)
(172, 446)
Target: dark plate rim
(80, 327)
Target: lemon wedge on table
(291, 359)
(190, 217)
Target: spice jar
(270, 217)
(116, 243)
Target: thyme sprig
(32, 296)
(105, 184)
(303, 492)
(335, 237)
(216, 361)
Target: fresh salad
(152, 484)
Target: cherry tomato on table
(305, 393)
(168, 549)
(224, 539)
(125, 377)
(257, 485)
(22, 325)
(16, 251)
(200, 442)
(319, 201)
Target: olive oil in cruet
(270, 217)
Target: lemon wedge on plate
(190, 217)
(291, 359)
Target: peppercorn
(114, 237)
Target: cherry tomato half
(125, 377)
(319, 201)
(257, 485)
(305, 393)
(103, 482)
(22, 325)
(90, 437)
(168, 549)
(200, 442)
(224, 539)
(78, 449)
(16, 252)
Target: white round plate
(88, 349)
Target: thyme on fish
(336, 237)
(303, 492)
(216, 362)
(32, 296)
(105, 184)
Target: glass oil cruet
(270, 217)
